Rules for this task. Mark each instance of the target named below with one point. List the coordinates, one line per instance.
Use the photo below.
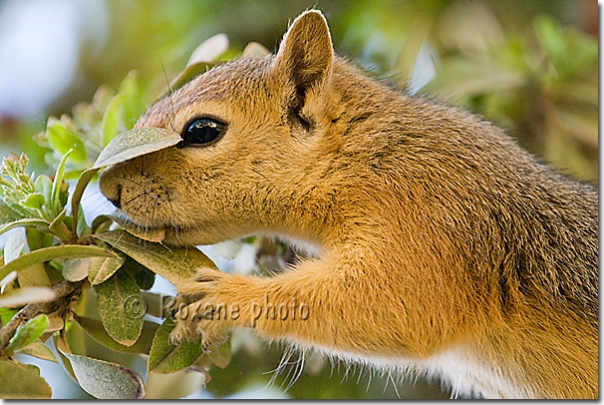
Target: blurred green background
(530, 66)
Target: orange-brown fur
(438, 235)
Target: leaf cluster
(65, 280)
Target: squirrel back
(442, 244)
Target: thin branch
(61, 290)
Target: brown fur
(437, 233)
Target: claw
(176, 337)
(195, 311)
(175, 340)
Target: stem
(61, 290)
(63, 233)
(53, 252)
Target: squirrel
(440, 244)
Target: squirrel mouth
(155, 234)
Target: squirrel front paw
(199, 310)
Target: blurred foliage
(91, 126)
(49, 272)
(528, 66)
(542, 87)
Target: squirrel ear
(305, 55)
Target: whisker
(170, 91)
(299, 368)
(134, 198)
(136, 183)
(393, 383)
(371, 371)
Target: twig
(31, 310)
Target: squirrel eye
(202, 131)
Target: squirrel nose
(116, 199)
(110, 188)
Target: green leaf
(7, 214)
(61, 139)
(27, 222)
(101, 268)
(35, 201)
(54, 252)
(143, 276)
(134, 143)
(174, 264)
(102, 223)
(82, 227)
(27, 295)
(43, 185)
(6, 314)
(167, 358)
(95, 329)
(77, 269)
(13, 204)
(34, 276)
(78, 192)
(38, 237)
(28, 333)
(111, 119)
(55, 202)
(121, 307)
(105, 380)
(58, 228)
(133, 107)
(24, 382)
(39, 350)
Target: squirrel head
(251, 130)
